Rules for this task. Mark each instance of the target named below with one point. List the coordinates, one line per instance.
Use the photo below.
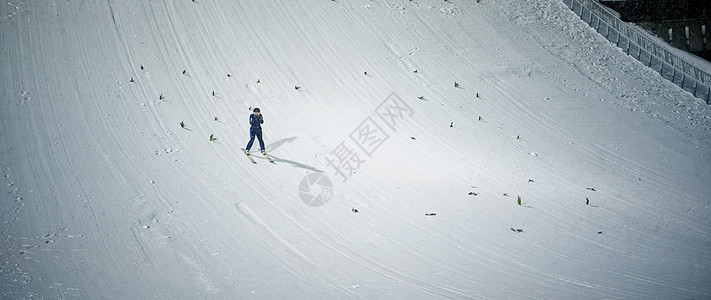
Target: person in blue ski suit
(255, 130)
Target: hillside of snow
(466, 149)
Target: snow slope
(106, 196)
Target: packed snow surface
(475, 149)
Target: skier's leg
(251, 140)
(261, 141)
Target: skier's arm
(261, 119)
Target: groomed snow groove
(107, 195)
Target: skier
(256, 120)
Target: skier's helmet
(256, 109)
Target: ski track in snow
(106, 195)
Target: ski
(249, 156)
(271, 160)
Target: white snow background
(106, 196)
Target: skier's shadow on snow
(277, 144)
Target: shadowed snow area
(422, 149)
